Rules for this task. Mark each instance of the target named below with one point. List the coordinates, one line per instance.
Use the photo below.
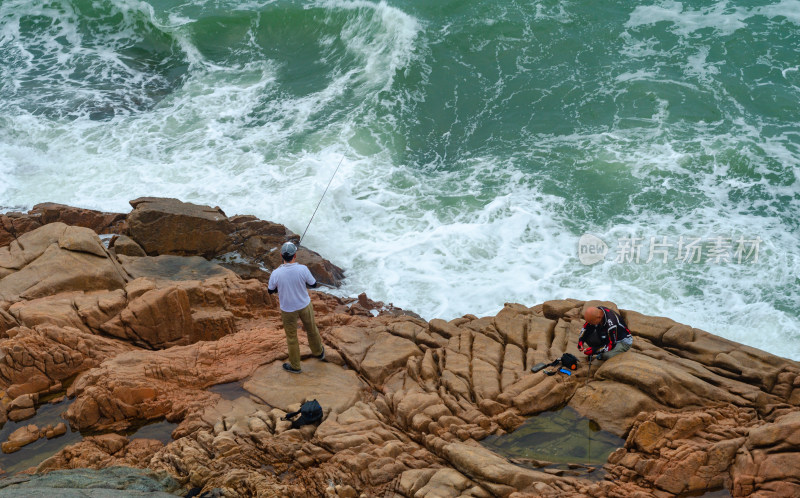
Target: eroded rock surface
(406, 401)
(435, 389)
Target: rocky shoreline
(137, 317)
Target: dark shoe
(600, 357)
(320, 356)
(288, 368)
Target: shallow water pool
(557, 439)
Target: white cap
(288, 250)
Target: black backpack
(310, 413)
(568, 361)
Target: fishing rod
(320, 201)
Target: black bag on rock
(569, 361)
(310, 413)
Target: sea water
(480, 141)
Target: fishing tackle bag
(569, 361)
(310, 413)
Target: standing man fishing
(290, 281)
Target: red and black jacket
(605, 335)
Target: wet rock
(113, 481)
(21, 437)
(167, 267)
(59, 430)
(23, 401)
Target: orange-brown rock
(165, 314)
(164, 226)
(435, 389)
(98, 221)
(147, 385)
(405, 401)
(56, 258)
(126, 246)
(13, 225)
(54, 431)
(99, 452)
(51, 352)
(169, 226)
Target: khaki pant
(619, 348)
(306, 315)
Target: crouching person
(604, 334)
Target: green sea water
(480, 140)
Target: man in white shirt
(290, 281)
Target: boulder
(162, 314)
(28, 247)
(79, 239)
(157, 319)
(58, 310)
(45, 268)
(169, 226)
(126, 246)
(558, 308)
(98, 221)
(15, 224)
(23, 401)
(59, 430)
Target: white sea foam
(724, 17)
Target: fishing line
(320, 200)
